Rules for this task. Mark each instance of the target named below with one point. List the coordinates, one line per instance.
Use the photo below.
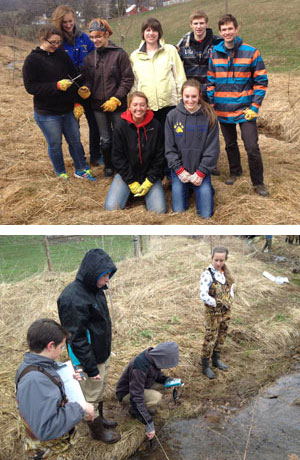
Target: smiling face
(138, 108)
(229, 33)
(218, 260)
(51, 44)
(199, 26)
(191, 98)
(68, 22)
(100, 39)
(151, 36)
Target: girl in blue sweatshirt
(192, 150)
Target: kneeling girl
(192, 150)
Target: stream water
(268, 429)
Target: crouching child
(142, 377)
(48, 419)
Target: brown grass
(160, 302)
(31, 194)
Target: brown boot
(106, 423)
(101, 434)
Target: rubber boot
(106, 423)
(217, 363)
(206, 369)
(101, 434)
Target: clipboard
(72, 386)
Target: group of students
(48, 418)
(166, 118)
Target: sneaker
(84, 174)
(261, 190)
(231, 180)
(63, 176)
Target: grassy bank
(156, 299)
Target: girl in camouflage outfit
(216, 291)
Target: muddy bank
(267, 429)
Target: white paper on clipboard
(72, 386)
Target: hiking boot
(84, 174)
(215, 172)
(63, 176)
(108, 172)
(101, 434)
(261, 190)
(216, 362)
(231, 180)
(106, 423)
(206, 370)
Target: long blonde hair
(207, 109)
(57, 19)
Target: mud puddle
(268, 429)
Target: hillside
(30, 194)
(157, 303)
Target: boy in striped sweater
(237, 83)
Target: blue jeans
(53, 127)
(204, 196)
(119, 192)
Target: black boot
(206, 369)
(108, 166)
(106, 423)
(217, 363)
(101, 434)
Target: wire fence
(23, 256)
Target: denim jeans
(53, 127)
(204, 196)
(119, 192)
(94, 136)
(250, 140)
(106, 122)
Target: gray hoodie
(39, 401)
(190, 142)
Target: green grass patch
(280, 318)
(23, 256)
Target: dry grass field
(160, 302)
(31, 194)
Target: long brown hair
(224, 250)
(207, 109)
(58, 15)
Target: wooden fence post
(47, 249)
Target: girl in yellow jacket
(158, 70)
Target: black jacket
(82, 307)
(41, 72)
(195, 55)
(138, 152)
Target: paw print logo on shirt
(178, 127)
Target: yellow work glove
(78, 111)
(84, 92)
(134, 187)
(250, 114)
(111, 104)
(144, 189)
(63, 85)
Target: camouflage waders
(217, 318)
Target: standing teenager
(77, 45)
(138, 158)
(108, 75)
(192, 150)
(46, 73)
(237, 84)
(216, 291)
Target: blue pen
(82, 376)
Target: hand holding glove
(250, 114)
(78, 111)
(144, 188)
(63, 85)
(84, 92)
(134, 187)
(196, 180)
(111, 104)
(184, 176)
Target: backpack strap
(33, 367)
